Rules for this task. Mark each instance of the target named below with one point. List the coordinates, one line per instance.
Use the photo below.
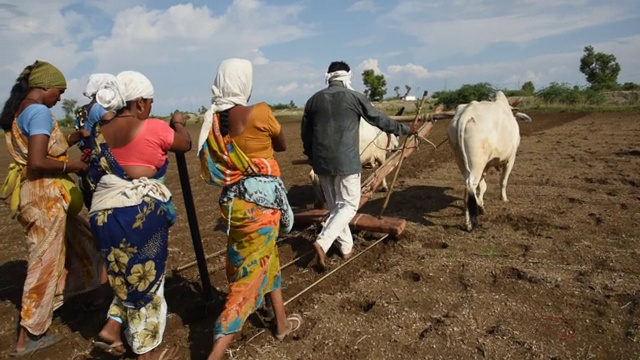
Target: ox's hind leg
(482, 188)
(506, 170)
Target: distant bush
(629, 86)
(464, 95)
(570, 95)
(66, 122)
(280, 106)
(557, 93)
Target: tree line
(601, 72)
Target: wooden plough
(383, 224)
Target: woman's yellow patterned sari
(63, 258)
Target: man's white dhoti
(342, 194)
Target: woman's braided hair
(18, 93)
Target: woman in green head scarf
(63, 259)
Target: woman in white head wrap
(89, 114)
(131, 211)
(236, 150)
(87, 117)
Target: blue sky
(429, 45)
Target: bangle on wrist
(64, 167)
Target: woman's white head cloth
(95, 83)
(340, 75)
(128, 85)
(232, 86)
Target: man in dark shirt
(330, 138)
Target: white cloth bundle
(115, 192)
(232, 86)
(128, 85)
(95, 83)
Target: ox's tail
(470, 182)
(462, 126)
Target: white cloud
(184, 32)
(369, 64)
(411, 69)
(287, 88)
(172, 46)
(420, 43)
(469, 26)
(361, 41)
(41, 31)
(363, 5)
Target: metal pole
(187, 195)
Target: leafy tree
(528, 88)
(69, 106)
(408, 88)
(601, 69)
(375, 83)
(396, 89)
(292, 105)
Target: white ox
(483, 135)
(374, 144)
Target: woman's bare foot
(109, 339)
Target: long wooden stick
(323, 278)
(404, 147)
(336, 269)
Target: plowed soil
(552, 274)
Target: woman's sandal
(35, 343)
(294, 321)
(116, 348)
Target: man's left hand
(413, 128)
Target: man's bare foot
(322, 257)
(293, 323)
(347, 256)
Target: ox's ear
(439, 109)
(516, 103)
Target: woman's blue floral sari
(133, 239)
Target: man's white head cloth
(128, 85)
(340, 75)
(95, 83)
